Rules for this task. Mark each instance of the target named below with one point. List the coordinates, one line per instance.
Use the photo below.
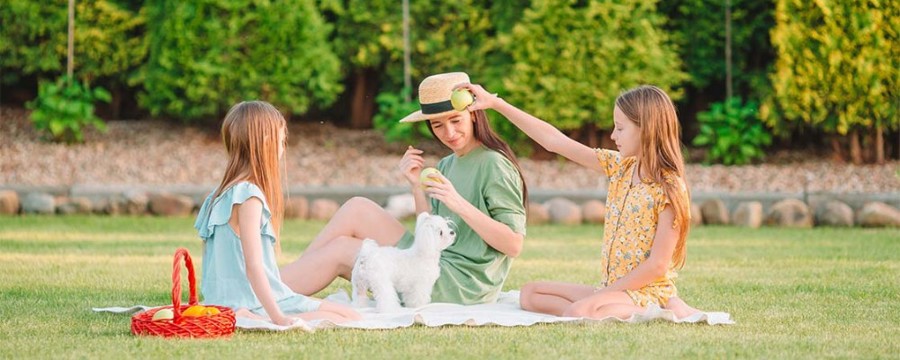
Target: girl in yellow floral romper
(648, 207)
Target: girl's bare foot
(680, 308)
(244, 313)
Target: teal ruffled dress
(224, 280)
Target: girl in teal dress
(481, 189)
(240, 224)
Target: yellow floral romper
(631, 218)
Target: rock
(296, 208)
(696, 215)
(563, 211)
(594, 211)
(537, 214)
(135, 202)
(401, 206)
(9, 202)
(38, 203)
(879, 214)
(834, 213)
(75, 205)
(113, 205)
(790, 213)
(714, 212)
(323, 209)
(748, 214)
(166, 204)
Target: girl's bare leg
(333, 251)
(360, 218)
(550, 297)
(316, 269)
(604, 304)
(335, 313)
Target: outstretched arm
(538, 130)
(249, 218)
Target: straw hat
(434, 96)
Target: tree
(698, 27)
(837, 71)
(587, 53)
(206, 56)
(110, 41)
(451, 36)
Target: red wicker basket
(218, 325)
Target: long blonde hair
(250, 132)
(653, 111)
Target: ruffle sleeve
(217, 212)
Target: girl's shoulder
(218, 211)
(236, 193)
(672, 178)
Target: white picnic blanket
(505, 312)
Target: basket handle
(182, 253)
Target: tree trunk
(868, 153)
(855, 149)
(879, 145)
(115, 106)
(362, 107)
(592, 139)
(837, 152)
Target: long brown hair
(653, 111)
(250, 132)
(485, 134)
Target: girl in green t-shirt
(480, 187)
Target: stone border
(547, 205)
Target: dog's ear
(421, 218)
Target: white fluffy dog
(411, 272)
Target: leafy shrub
(205, 56)
(63, 108)
(391, 108)
(109, 39)
(733, 131)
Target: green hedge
(207, 55)
(587, 53)
(109, 39)
(838, 66)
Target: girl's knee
(343, 250)
(525, 296)
(579, 309)
(360, 203)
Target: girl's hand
(284, 320)
(411, 165)
(444, 192)
(483, 99)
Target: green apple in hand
(426, 174)
(460, 98)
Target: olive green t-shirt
(472, 272)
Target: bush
(393, 107)
(733, 132)
(109, 39)
(206, 56)
(63, 108)
(588, 53)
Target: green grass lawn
(794, 294)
